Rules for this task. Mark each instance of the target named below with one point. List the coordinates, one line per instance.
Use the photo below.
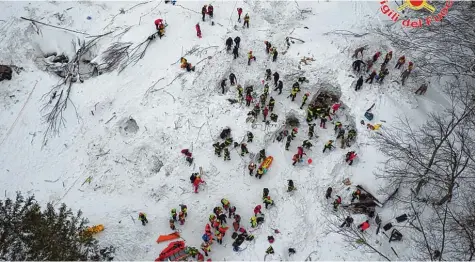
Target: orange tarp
(163, 238)
(95, 229)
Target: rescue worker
(240, 93)
(307, 144)
(181, 218)
(359, 84)
(323, 121)
(310, 132)
(257, 210)
(375, 57)
(217, 210)
(219, 237)
(341, 133)
(212, 219)
(239, 10)
(328, 145)
(217, 149)
(268, 74)
(276, 79)
(247, 21)
(251, 57)
(231, 211)
(229, 43)
(350, 136)
(228, 141)
(400, 62)
(388, 57)
(253, 222)
(262, 155)
(233, 79)
(348, 220)
(357, 51)
(337, 126)
(295, 159)
(223, 85)
(143, 218)
(268, 202)
(244, 150)
(265, 113)
(226, 154)
(356, 65)
(279, 87)
(225, 203)
(262, 100)
(350, 157)
(291, 186)
(328, 192)
(205, 248)
(271, 104)
(310, 113)
(371, 77)
(422, 89)
(304, 99)
(199, 31)
(275, 54)
(288, 142)
(356, 195)
(235, 52)
(270, 250)
(248, 99)
(404, 76)
(183, 208)
(382, 74)
(204, 11)
(250, 137)
(172, 224)
(259, 172)
(210, 10)
(222, 218)
(294, 133)
(237, 42)
(266, 90)
(301, 152)
(410, 66)
(173, 214)
(197, 182)
(268, 46)
(337, 202)
(161, 30)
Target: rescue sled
(94, 229)
(266, 163)
(175, 251)
(163, 238)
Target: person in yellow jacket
(250, 56)
(259, 172)
(268, 201)
(293, 93)
(328, 145)
(247, 21)
(253, 222)
(183, 62)
(143, 218)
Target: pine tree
(29, 233)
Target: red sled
(175, 251)
(266, 163)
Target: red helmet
(390, 52)
(295, 129)
(410, 63)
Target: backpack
(192, 177)
(369, 116)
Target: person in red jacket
(200, 257)
(199, 32)
(376, 56)
(249, 98)
(364, 226)
(157, 23)
(197, 182)
(257, 210)
(295, 159)
(239, 14)
(210, 10)
(350, 157)
(300, 152)
(265, 113)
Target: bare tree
(354, 238)
(436, 157)
(443, 48)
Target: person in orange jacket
(410, 67)
(197, 182)
(181, 218)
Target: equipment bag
(369, 116)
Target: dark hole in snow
(157, 165)
(292, 119)
(326, 95)
(129, 127)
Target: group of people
(384, 71)
(180, 218)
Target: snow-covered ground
(189, 111)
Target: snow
(189, 112)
